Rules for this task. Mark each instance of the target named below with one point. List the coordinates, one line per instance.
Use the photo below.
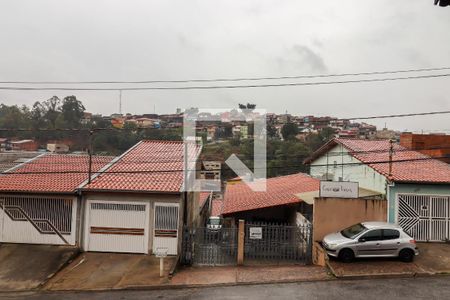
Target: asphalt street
(405, 288)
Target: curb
(195, 286)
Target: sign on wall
(256, 233)
(339, 189)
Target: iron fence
(210, 247)
(278, 242)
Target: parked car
(371, 239)
(214, 223)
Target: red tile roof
(203, 196)
(155, 166)
(217, 207)
(407, 166)
(51, 173)
(280, 191)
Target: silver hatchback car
(371, 239)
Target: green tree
(289, 131)
(316, 140)
(72, 111)
(271, 131)
(52, 108)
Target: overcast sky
(167, 40)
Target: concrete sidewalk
(27, 267)
(206, 276)
(107, 271)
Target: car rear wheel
(346, 255)
(406, 255)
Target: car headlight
(332, 246)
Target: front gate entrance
(277, 243)
(210, 247)
(263, 242)
(424, 217)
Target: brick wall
(434, 145)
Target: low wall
(334, 214)
(319, 255)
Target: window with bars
(166, 221)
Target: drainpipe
(389, 185)
(79, 224)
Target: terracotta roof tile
(407, 166)
(203, 196)
(280, 191)
(155, 166)
(217, 207)
(51, 173)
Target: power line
(223, 86)
(277, 158)
(192, 170)
(231, 79)
(402, 115)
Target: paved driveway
(98, 271)
(25, 267)
(434, 258)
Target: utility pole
(391, 153)
(91, 133)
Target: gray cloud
(160, 39)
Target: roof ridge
(107, 166)
(159, 141)
(19, 166)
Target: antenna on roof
(120, 101)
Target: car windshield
(352, 231)
(214, 221)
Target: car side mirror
(361, 240)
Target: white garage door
(117, 227)
(425, 217)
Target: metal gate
(165, 227)
(210, 247)
(278, 243)
(424, 217)
(37, 220)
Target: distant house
(279, 203)
(145, 122)
(5, 144)
(211, 170)
(416, 186)
(87, 118)
(24, 145)
(386, 134)
(211, 132)
(244, 132)
(117, 122)
(58, 148)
